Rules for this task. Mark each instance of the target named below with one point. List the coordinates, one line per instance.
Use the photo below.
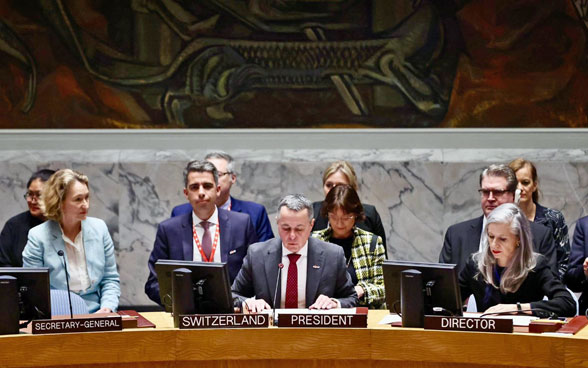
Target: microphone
(280, 266)
(62, 255)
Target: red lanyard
(214, 244)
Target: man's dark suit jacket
(574, 277)
(13, 238)
(372, 223)
(174, 240)
(326, 274)
(463, 239)
(256, 211)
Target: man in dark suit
(577, 274)
(313, 273)
(226, 178)
(498, 184)
(206, 234)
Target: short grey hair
(501, 171)
(223, 156)
(524, 259)
(297, 203)
(200, 166)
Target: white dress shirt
(79, 280)
(226, 205)
(200, 232)
(302, 265)
(483, 235)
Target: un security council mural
(292, 63)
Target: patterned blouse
(554, 220)
(368, 266)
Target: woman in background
(364, 251)
(83, 241)
(341, 172)
(529, 203)
(506, 275)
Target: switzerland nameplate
(190, 321)
(93, 324)
(322, 320)
(468, 324)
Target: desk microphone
(60, 253)
(280, 266)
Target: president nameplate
(194, 321)
(322, 320)
(94, 324)
(468, 324)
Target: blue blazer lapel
(187, 237)
(91, 240)
(57, 238)
(236, 205)
(316, 258)
(225, 234)
(272, 261)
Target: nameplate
(322, 320)
(192, 321)
(468, 324)
(93, 324)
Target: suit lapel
(273, 260)
(236, 205)
(89, 240)
(473, 242)
(225, 234)
(188, 237)
(314, 270)
(57, 239)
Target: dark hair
(200, 166)
(518, 164)
(346, 198)
(42, 175)
(501, 171)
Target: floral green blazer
(368, 265)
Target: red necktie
(292, 282)
(206, 240)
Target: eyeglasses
(344, 219)
(29, 196)
(496, 193)
(221, 174)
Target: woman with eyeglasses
(69, 234)
(13, 237)
(341, 172)
(528, 185)
(364, 251)
(507, 276)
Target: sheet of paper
(516, 319)
(390, 318)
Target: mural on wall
(292, 63)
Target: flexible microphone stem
(60, 253)
(280, 266)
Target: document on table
(390, 318)
(517, 320)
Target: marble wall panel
(418, 193)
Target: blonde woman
(506, 275)
(83, 241)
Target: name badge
(468, 324)
(194, 321)
(94, 324)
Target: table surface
(375, 346)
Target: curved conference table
(376, 346)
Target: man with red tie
(206, 234)
(307, 272)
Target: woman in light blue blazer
(69, 235)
